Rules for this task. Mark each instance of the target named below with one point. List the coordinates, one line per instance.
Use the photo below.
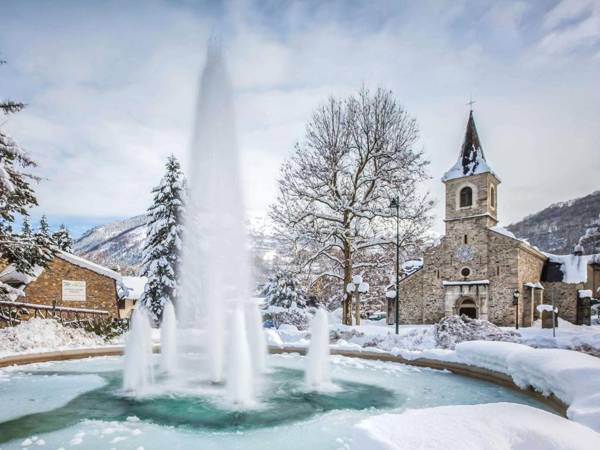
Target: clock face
(464, 253)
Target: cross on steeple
(470, 103)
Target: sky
(110, 88)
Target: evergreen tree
(26, 227)
(283, 290)
(285, 301)
(63, 239)
(16, 198)
(162, 249)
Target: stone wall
(101, 291)
(565, 299)
(530, 271)
(411, 299)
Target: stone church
(482, 270)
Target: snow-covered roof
(412, 265)
(135, 286)
(87, 264)
(10, 274)
(471, 160)
(574, 268)
(585, 293)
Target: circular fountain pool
(80, 404)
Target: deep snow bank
(572, 377)
(44, 335)
(514, 427)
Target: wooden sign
(73, 291)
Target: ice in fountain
(138, 372)
(168, 340)
(317, 376)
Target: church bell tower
(471, 185)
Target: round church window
(465, 272)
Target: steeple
(471, 160)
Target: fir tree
(26, 227)
(16, 198)
(162, 249)
(283, 290)
(63, 240)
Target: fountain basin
(287, 416)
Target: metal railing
(13, 313)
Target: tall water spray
(168, 340)
(215, 268)
(240, 380)
(138, 372)
(257, 339)
(317, 376)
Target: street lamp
(516, 295)
(395, 203)
(357, 286)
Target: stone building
(482, 270)
(68, 281)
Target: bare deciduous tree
(335, 190)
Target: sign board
(73, 291)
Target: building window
(493, 196)
(437, 274)
(497, 270)
(465, 272)
(466, 197)
(466, 239)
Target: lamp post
(516, 295)
(357, 287)
(395, 203)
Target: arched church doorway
(467, 307)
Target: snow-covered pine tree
(26, 227)
(283, 290)
(162, 249)
(16, 198)
(63, 239)
(285, 301)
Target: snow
(469, 427)
(547, 308)
(38, 335)
(476, 167)
(135, 286)
(503, 231)
(86, 264)
(574, 267)
(585, 293)
(572, 377)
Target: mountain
(115, 244)
(557, 228)
(120, 244)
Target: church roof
(471, 160)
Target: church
(482, 270)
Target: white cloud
(111, 92)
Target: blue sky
(110, 88)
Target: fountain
(168, 340)
(215, 316)
(317, 376)
(138, 372)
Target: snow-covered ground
(468, 427)
(44, 335)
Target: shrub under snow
(454, 329)
(44, 334)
